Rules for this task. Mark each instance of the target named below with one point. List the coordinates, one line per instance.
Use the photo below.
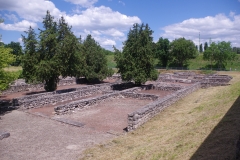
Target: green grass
(199, 63)
(194, 64)
(110, 61)
(13, 68)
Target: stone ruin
(20, 85)
(180, 83)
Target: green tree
(17, 51)
(201, 48)
(182, 50)
(219, 53)
(48, 70)
(6, 58)
(95, 66)
(69, 51)
(205, 46)
(162, 51)
(31, 56)
(136, 61)
(56, 52)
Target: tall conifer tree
(136, 61)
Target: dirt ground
(108, 116)
(37, 138)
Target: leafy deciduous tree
(17, 51)
(162, 51)
(219, 53)
(182, 50)
(6, 58)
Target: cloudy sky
(109, 21)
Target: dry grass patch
(13, 68)
(180, 131)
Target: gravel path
(37, 138)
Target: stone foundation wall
(142, 115)
(34, 87)
(39, 100)
(85, 103)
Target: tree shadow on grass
(224, 140)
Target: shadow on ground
(224, 141)
(5, 106)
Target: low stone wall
(51, 98)
(142, 115)
(24, 87)
(85, 103)
(167, 87)
(34, 87)
(139, 96)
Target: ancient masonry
(180, 83)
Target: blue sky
(109, 21)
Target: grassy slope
(180, 130)
(194, 64)
(199, 63)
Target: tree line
(56, 51)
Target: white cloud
(101, 18)
(33, 10)
(218, 28)
(107, 42)
(19, 26)
(83, 3)
(11, 17)
(121, 2)
(114, 32)
(108, 26)
(231, 14)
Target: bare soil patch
(37, 138)
(110, 115)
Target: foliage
(201, 48)
(31, 56)
(6, 58)
(219, 53)
(236, 49)
(107, 52)
(136, 61)
(162, 51)
(17, 51)
(205, 46)
(95, 60)
(181, 51)
(54, 53)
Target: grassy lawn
(203, 125)
(110, 61)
